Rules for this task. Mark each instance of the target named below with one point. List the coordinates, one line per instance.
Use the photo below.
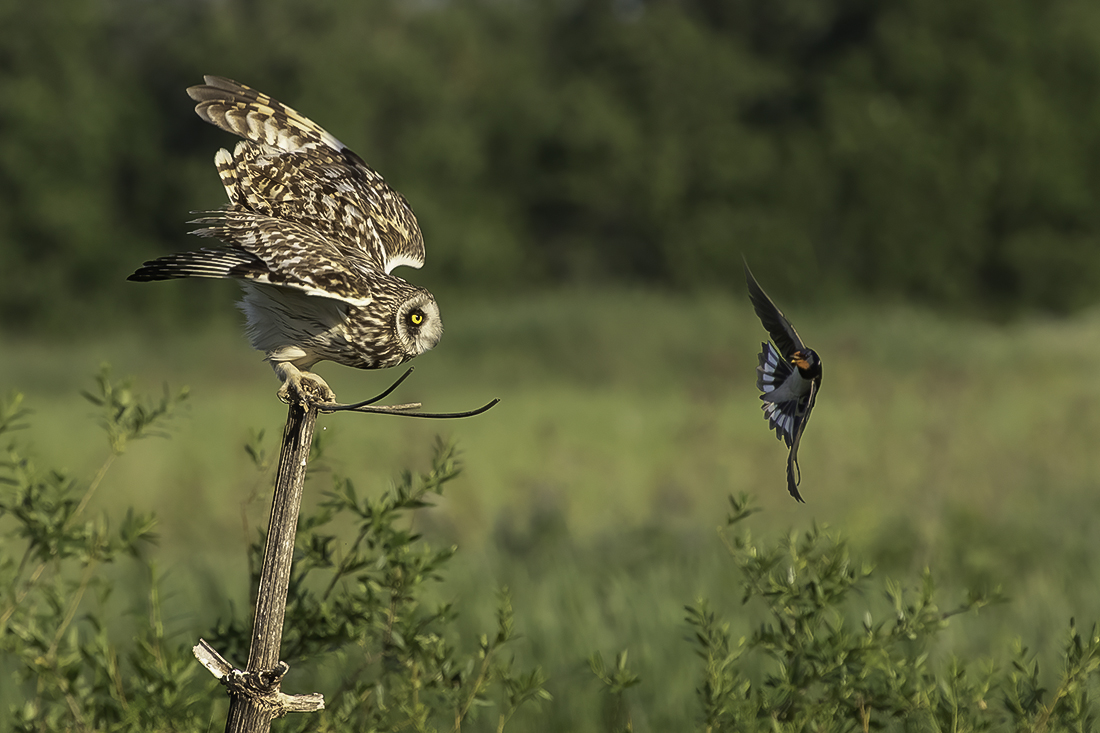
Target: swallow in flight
(789, 376)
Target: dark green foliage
(938, 152)
(359, 606)
(616, 711)
(836, 647)
(823, 671)
(125, 416)
(70, 671)
(1070, 706)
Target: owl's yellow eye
(416, 319)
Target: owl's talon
(304, 387)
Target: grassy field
(594, 489)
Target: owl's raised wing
(290, 168)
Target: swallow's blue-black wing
(781, 330)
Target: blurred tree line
(938, 152)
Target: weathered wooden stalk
(255, 697)
(254, 694)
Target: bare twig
(409, 409)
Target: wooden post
(255, 697)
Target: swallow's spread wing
(780, 407)
(781, 330)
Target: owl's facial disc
(418, 325)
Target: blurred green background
(915, 184)
(940, 153)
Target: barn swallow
(789, 375)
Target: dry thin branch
(409, 409)
(255, 698)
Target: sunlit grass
(595, 487)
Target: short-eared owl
(312, 233)
(789, 376)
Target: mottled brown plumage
(312, 233)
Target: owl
(313, 234)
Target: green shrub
(838, 647)
(359, 607)
(822, 671)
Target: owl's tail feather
(216, 263)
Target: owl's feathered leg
(306, 387)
